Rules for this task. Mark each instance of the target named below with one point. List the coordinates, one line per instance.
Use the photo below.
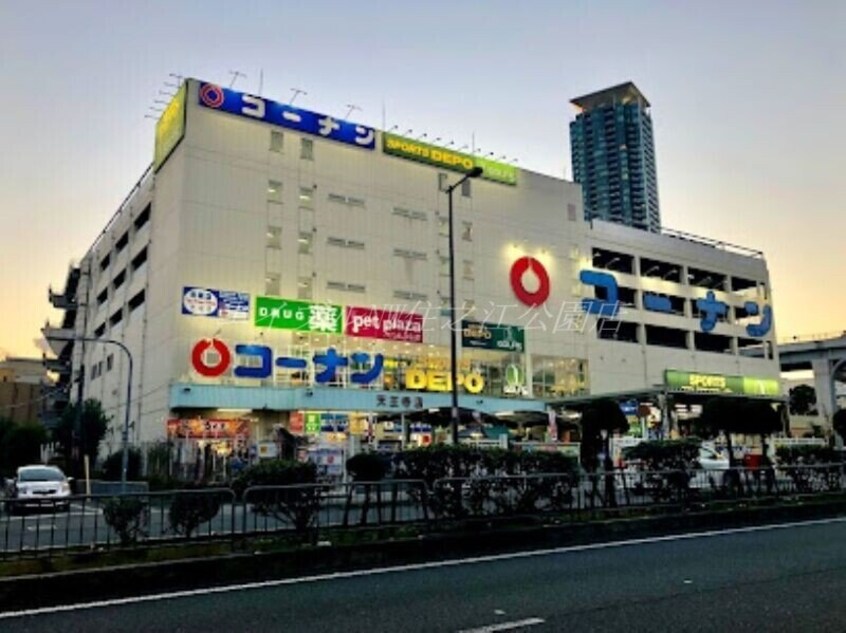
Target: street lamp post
(453, 340)
(125, 434)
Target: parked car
(39, 486)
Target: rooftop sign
(284, 115)
(447, 159)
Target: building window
(465, 188)
(410, 214)
(101, 329)
(274, 191)
(143, 217)
(350, 201)
(119, 279)
(410, 296)
(122, 242)
(305, 241)
(410, 254)
(136, 302)
(307, 197)
(116, 318)
(442, 181)
(110, 362)
(467, 272)
(271, 284)
(139, 260)
(305, 287)
(571, 212)
(306, 149)
(102, 297)
(443, 269)
(274, 237)
(276, 141)
(104, 263)
(443, 227)
(467, 231)
(342, 243)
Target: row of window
(305, 240)
(616, 261)
(116, 318)
(97, 369)
(120, 278)
(658, 336)
(123, 241)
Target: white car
(39, 486)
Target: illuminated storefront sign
(287, 116)
(447, 159)
(718, 383)
(539, 295)
(170, 128)
(199, 428)
(505, 338)
(383, 324)
(212, 358)
(291, 314)
(432, 380)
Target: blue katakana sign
(287, 116)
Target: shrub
(462, 480)
(292, 494)
(189, 510)
(680, 454)
(128, 517)
(113, 465)
(367, 467)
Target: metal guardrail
(319, 511)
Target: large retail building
(280, 268)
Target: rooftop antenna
(297, 92)
(438, 139)
(261, 81)
(178, 80)
(351, 107)
(422, 136)
(450, 144)
(407, 132)
(235, 74)
(393, 127)
(463, 147)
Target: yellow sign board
(170, 128)
(430, 380)
(447, 159)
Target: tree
(726, 415)
(802, 400)
(20, 444)
(602, 417)
(759, 418)
(838, 422)
(85, 434)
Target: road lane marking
(267, 584)
(505, 626)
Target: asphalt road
(783, 579)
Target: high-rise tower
(613, 155)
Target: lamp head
(475, 172)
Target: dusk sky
(748, 102)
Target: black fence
(316, 512)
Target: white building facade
(277, 268)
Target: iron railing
(315, 512)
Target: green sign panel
(447, 159)
(504, 338)
(290, 314)
(718, 383)
(312, 423)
